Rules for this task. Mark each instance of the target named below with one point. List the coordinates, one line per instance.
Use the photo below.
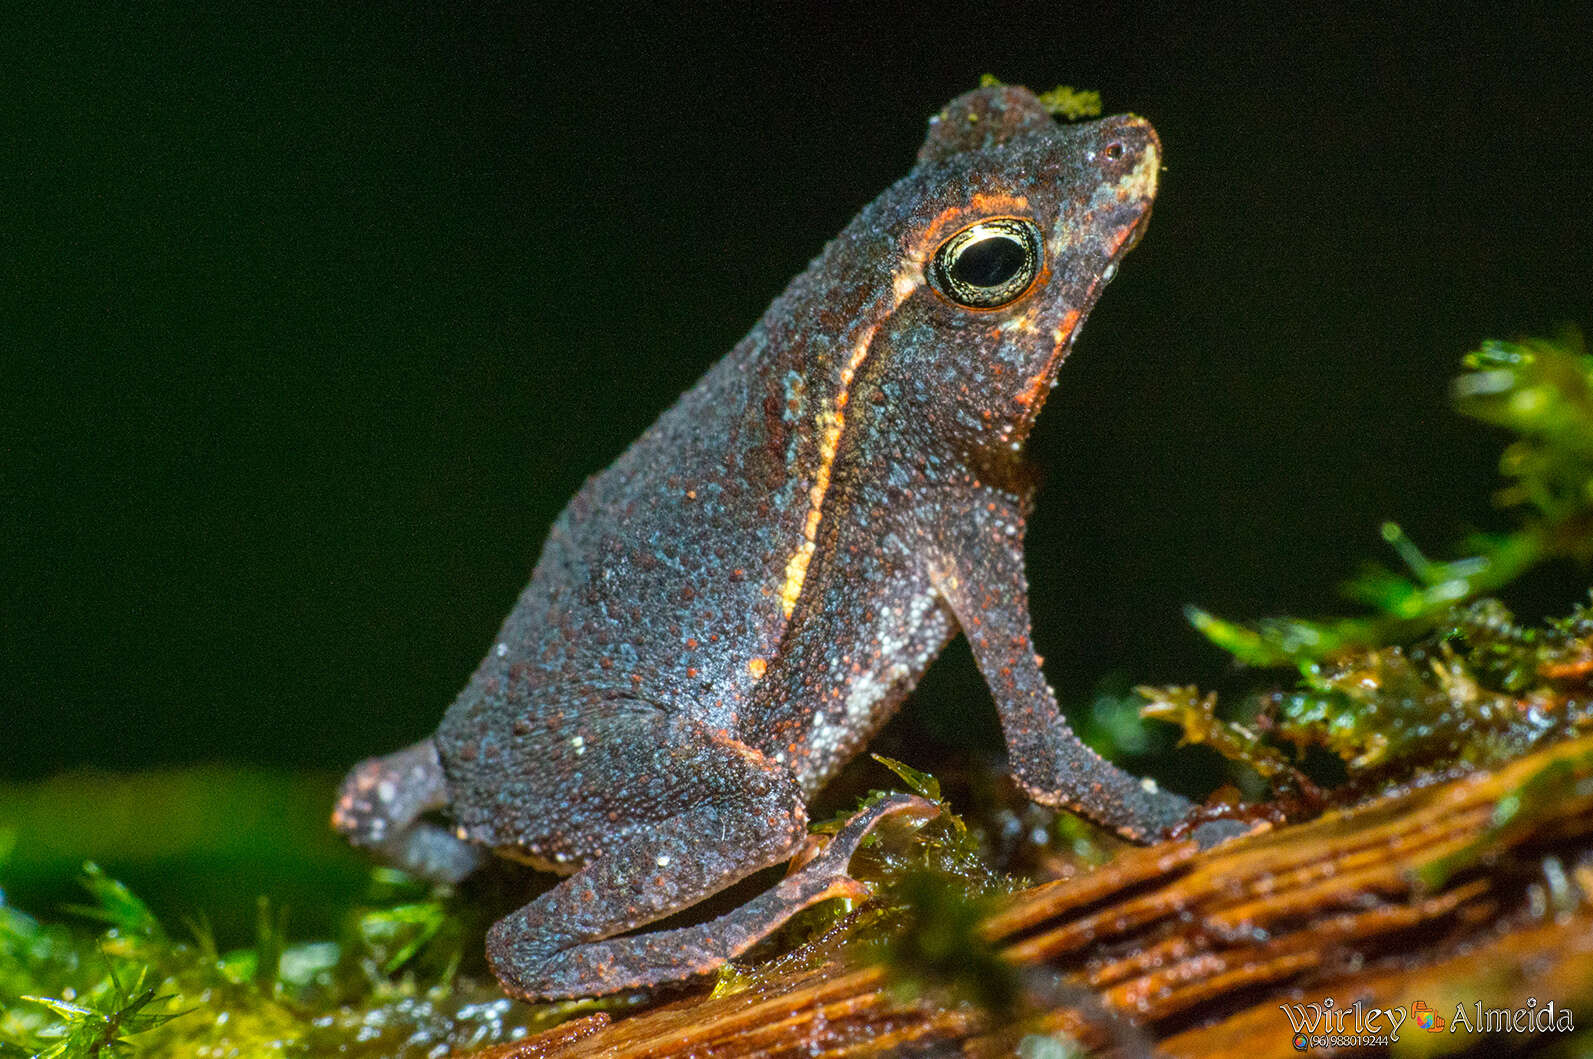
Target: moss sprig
(1541, 391)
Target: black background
(312, 320)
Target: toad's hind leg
(664, 956)
(719, 812)
(380, 807)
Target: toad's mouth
(1135, 234)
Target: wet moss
(115, 981)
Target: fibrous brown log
(1472, 889)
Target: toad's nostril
(1114, 150)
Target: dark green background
(312, 321)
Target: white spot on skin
(1148, 785)
(386, 791)
(662, 860)
(834, 732)
(579, 744)
(501, 650)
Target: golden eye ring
(988, 264)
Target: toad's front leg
(977, 566)
(738, 813)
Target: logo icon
(1426, 1018)
(1301, 1042)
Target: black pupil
(990, 262)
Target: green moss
(1063, 101)
(1540, 390)
(125, 985)
(1070, 103)
(934, 944)
(1437, 673)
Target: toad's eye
(989, 264)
